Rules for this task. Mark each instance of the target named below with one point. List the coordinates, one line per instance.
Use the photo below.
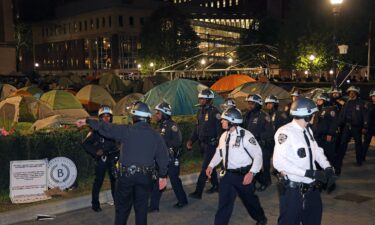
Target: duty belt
(303, 187)
(133, 169)
(240, 171)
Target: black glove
(331, 179)
(317, 175)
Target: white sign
(62, 173)
(28, 181)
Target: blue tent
(182, 94)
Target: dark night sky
(35, 10)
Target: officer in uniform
(228, 103)
(104, 151)
(325, 125)
(278, 118)
(259, 124)
(241, 157)
(141, 146)
(294, 96)
(296, 153)
(352, 120)
(336, 97)
(169, 130)
(370, 123)
(206, 132)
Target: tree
(23, 38)
(167, 37)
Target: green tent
(182, 94)
(35, 91)
(112, 83)
(59, 99)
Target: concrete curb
(59, 207)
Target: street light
(203, 61)
(230, 60)
(312, 57)
(36, 65)
(139, 66)
(152, 64)
(336, 5)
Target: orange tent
(20, 93)
(230, 82)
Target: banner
(28, 181)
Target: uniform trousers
(297, 208)
(100, 170)
(208, 152)
(174, 177)
(230, 186)
(132, 190)
(347, 133)
(366, 142)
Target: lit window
(218, 4)
(230, 2)
(236, 2)
(212, 4)
(224, 3)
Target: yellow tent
(6, 90)
(93, 96)
(121, 106)
(52, 122)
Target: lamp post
(336, 6)
(152, 67)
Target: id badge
(238, 141)
(206, 117)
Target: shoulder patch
(174, 128)
(333, 113)
(253, 141)
(218, 116)
(282, 138)
(267, 118)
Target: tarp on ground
(112, 83)
(93, 96)
(264, 89)
(120, 108)
(52, 122)
(6, 90)
(150, 82)
(182, 94)
(230, 82)
(24, 109)
(35, 91)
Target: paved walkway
(354, 180)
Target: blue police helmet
(372, 92)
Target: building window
(85, 25)
(230, 2)
(109, 21)
(218, 4)
(64, 28)
(141, 20)
(80, 26)
(97, 23)
(236, 2)
(131, 21)
(103, 22)
(224, 3)
(120, 21)
(212, 4)
(92, 24)
(42, 31)
(75, 27)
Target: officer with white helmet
(259, 124)
(241, 158)
(207, 132)
(352, 121)
(336, 97)
(172, 136)
(278, 118)
(295, 155)
(370, 123)
(228, 103)
(141, 147)
(104, 151)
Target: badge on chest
(206, 117)
(238, 142)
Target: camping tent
(20, 93)
(150, 82)
(230, 82)
(36, 92)
(120, 108)
(6, 90)
(112, 83)
(182, 94)
(24, 109)
(264, 89)
(93, 96)
(65, 83)
(52, 122)
(314, 93)
(64, 103)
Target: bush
(64, 142)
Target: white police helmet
(233, 115)
(335, 90)
(272, 99)
(105, 109)
(324, 96)
(372, 92)
(206, 93)
(228, 103)
(353, 88)
(140, 109)
(303, 107)
(254, 98)
(296, 93)
(164, 107)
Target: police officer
(172, 136)
(104, 151)
(241, 157)
(294, 95)
(352, 120)
(228, 103)
(278, 118)
(370, 123)
(141, 146)
(296, 153)
(259, 124)
(336, 98)
(206, 132)
(325, 125)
